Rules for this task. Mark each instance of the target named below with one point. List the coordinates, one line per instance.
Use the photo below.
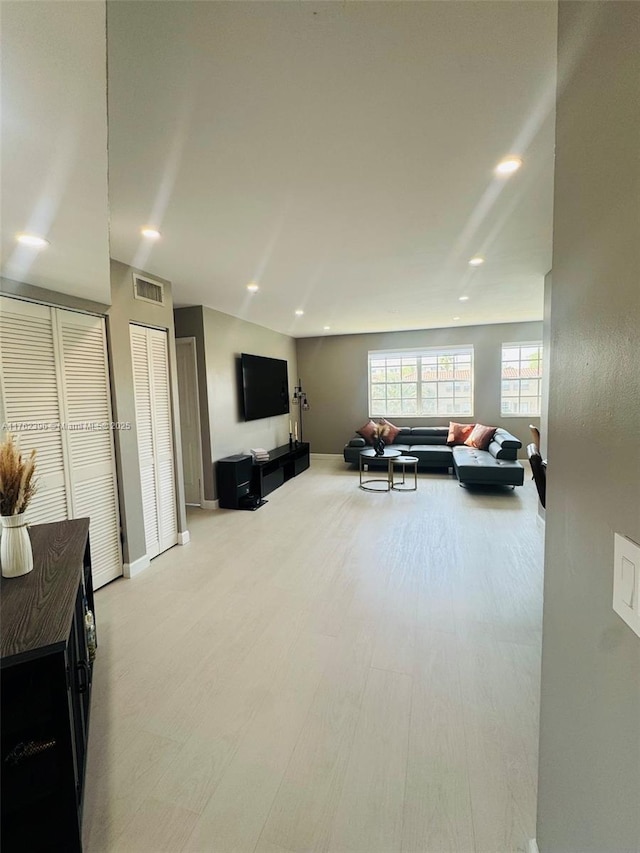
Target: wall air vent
(148, 290)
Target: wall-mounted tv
(265, 386)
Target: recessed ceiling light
(463, 298)
(476, 262)
(508, 166)
(299, 312)
(32, 240)
(151, 233)
(326, 328)
(252, 287)
(456, 318)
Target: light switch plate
(626, 581)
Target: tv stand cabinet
(284, 463)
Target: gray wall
(334, 375)
(223, 338)
(123, 311)
(589, 782)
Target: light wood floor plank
(234, 817)
(302, 812)
(437, 802)
(368, 817)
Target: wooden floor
(338, 672)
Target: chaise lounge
(497, 465)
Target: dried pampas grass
(17, 486)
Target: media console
(284, 463)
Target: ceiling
(339, 154)
(54, 146)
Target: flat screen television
(265, 386)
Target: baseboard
(130, 570)
(205, 504)
(183, 537)
(532, 846)
(326, 455)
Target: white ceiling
(339, 154)
(54, 145)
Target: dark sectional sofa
(498, 465)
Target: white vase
(16, 556)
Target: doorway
(189, 420)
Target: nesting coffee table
(389, 455)
(403, 462)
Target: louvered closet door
(54, 375)
(89, 438)
(155, 440)
(30, 400)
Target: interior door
(88, 435)
(149, 351)
(55, 397)
(189, 419)
(30, 400)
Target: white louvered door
(30, 400)
(54, 396)
(150, 358)
(89, 440)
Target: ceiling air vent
(148, 290)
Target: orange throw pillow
(481, 437)
(459, 433)
(368, 432)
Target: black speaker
(234, 480)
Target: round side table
(389, 455)
(401, 485)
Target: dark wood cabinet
(284, 463)
(47, 650)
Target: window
(521, 379)
(431, 382)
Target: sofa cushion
(432, 455)
(500, 452)
(458, 433)
(479, 466)
(368, 431)
(357, 442)
(505, 439)
(428, 435)
(480, 436)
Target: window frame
(419, 353)
(520, 345)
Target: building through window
(432, 382)
(521, 379)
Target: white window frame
(520, 345)
(419, 354)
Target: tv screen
(265, 386)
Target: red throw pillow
(481, 436)
(459, 433)
(368, 431)
(392, 431)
